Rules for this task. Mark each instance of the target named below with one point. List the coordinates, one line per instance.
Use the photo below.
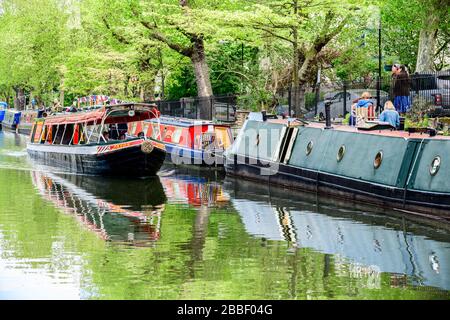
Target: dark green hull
(402, 181)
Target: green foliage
(129, 48)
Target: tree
(308, 27)
(436, 13)
(417, 33)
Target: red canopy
(141, 112)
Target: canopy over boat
(122, 113)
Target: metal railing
(431, 91)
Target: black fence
(221, 108)
(428, 91)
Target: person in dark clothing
(401, 89)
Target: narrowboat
(26, 121)
(11, 120)
(94, 142)
(3, 107)
(187, 141)
(393, 169)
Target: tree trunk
(295, 98)
(204, 89)
(19, 101)
(427, 43)
(201, 71)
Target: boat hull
(9, 127)
(25, 128)
(129, 161)
(389, 169)
(420, 203)
(184, 156)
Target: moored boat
(93, 143)
(187, 141)
(26, 121)
(3, 107)
(394, 169)
(11, 119)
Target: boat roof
(185, 122)
(380, 129)
(118, 113)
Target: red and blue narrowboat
(187, 141)
(96, 142)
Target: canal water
(199, 235)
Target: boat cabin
(105, 125)
(185, 133)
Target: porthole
(378, 160)
(309, 148)
(435, 165)
(341, 153)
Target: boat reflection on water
(194, 187)
(106, 205)
(366, 242)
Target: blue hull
(181, 155)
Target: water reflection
(106, 206)
(194, 187)
(370, 243)
(202, 236)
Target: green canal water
(199, 235)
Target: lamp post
(379, 65)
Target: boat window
(58, 134)
(208, 139)
(176, 136)
(37, 132)
(118, 131)
(222, 138)
(93, 133)
(48, 136)
(378, 160)
(435, 165)
(309, 148)
(67, 134)
(341, 153)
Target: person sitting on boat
(390, 115)
(73, 107)
(56, 106)
(106, 136)
(362, 108)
